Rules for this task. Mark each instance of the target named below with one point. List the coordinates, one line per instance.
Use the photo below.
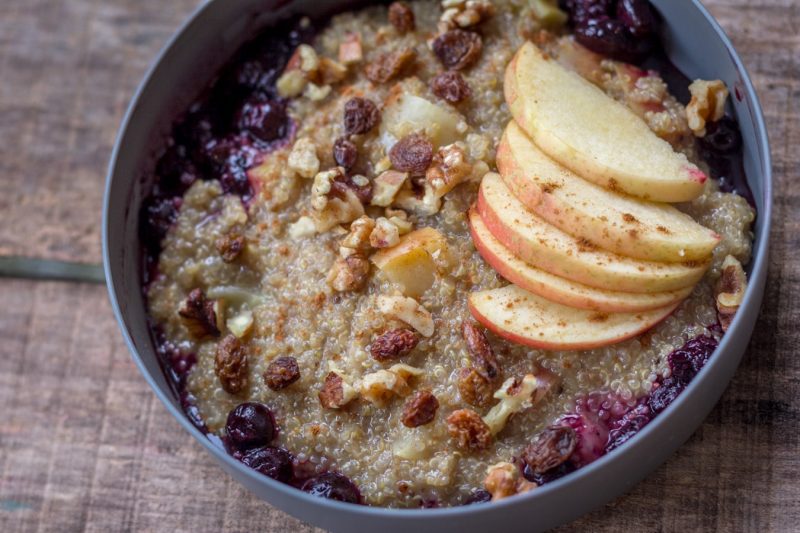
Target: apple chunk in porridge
(393, 262)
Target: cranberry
(249, 425)
(333, 486)
(270, 461)
(637, 16)
(585, 10)
(156, 216)
(265, 120)
(551, 475)
(628, 426)
(478, 496)
(689, 359)
(608, 37)
(175, 171)
(722, 136)
(665, 394)
(235, 181)
(592, 435)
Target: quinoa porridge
(281, 303)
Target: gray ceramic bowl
(694, 42)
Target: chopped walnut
(303, 158)
(420, 409)
(389, 65)
(448, 168)
(230, 364)
(358, 237)
(475, 388)
(241, 324)
(360, 116)
(469, 431)
(730, 291)
(230, 246)
(550, 448)
(707, 104)
(504, 480)
(464, 13)
(457, 49)
(309, 74)
(385, 234)
(401, 17)
(403, 224)
(302, 227)
(379, 387)
(349, 273)
(330, 71)
(350, 50)
(333, 201)
(480, 350)
(451, 87)
(424, 204)
(200, 315)
(291, 84)
(413, 153)
(281, 372)
(409, 311)
(514, 397)
(386, 186)
(393, 344)
(335, 392)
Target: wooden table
(84, 443)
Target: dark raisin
(458, 49)
(281, 373)
(475, 388)
(413, 153)
(469, 430)
(722, 136)
(249, 425)
(637, 16)
(550, 448)
(666, 393)
(551, 475)
(345, 153)
(333, 486)
(265, 120)
(401, 17)
(478, 496)
(608, 37)
(420, 409)
(451, 87)
(270, 461)
(230, 364)
(480, 350)
(584, 10)
(629, 425)
(230, 246)
(199, 316)
(360, 116)
(393, 344)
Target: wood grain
(85, 445)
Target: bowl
(693, 41)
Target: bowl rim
(759, 267)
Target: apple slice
(558, 289)
(548, 248)
(598, 138)
(520, 316)
(616, 222)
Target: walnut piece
(385, 234)
(350, 50)
(469, 431)
(504, 480)
(303, 158)
(200, 315)
(335, 392)
(401, 17)
(386, 186)
(333, 200)
(357, 239)
(707, 104)
(379, 387)
(349, 273)
(302, 227)
(230, 364)
(308, 74)
(409, 311)
(281, 372)
(230, 246)
(514, 397)
(475, 388)
(480, 350)
(550, 448)
(458, 49)
(420, 409)
(464, 13)
(730, 290)
(389, 65)
(448, 168)
(393, 344)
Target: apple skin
(524, 318)
(615, 222)
(558, 289)
(585, 130)
(546, 247)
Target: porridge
(311, 265)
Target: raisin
(401, 17)
(458, 49)
(451, 87)
(413, 153)
(360, 116)
(420, 409)
(230, 246)
(345, 153)
(480, 350)
(281, 373)
(393, 344)
(335, 393)
(230, 364)
(265, 120)
(199, 316)
(550, 449)
(474, 387)
(388, 66)
(469, 430)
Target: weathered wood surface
(85, 445)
